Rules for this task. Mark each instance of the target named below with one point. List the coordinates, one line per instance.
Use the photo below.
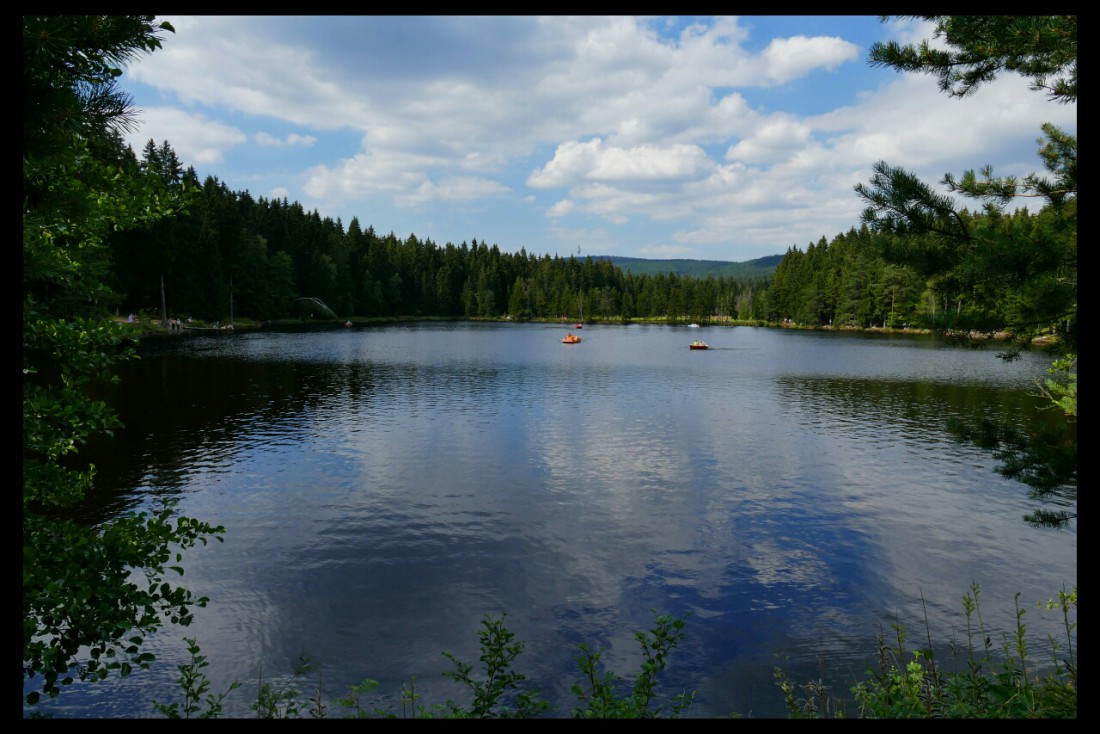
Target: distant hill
(763, 267)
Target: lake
(788, 493)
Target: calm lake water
(790, 494)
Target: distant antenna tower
(578, 249)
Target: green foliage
(1020, 270)
(196, 690)
(273, 259)
(974, 49)
(353, 701)
(810, 700)
(601, 697)
(495, 694)
(70, 67)
(1045, 459)
(1058, 151)
(984, 689)
(902, 204)
(905, 684)
(1015, 272)
(283, 699)
(913, 685)
(410, 708)
(1061, 387)
(90, 594)
(61, 358)
(498, 652)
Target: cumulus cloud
(678, 133)
(228, 62)
(196, 139)
(372, 172)
(790, 58)
(774, 139)
(561, 208)
(911, 123)
(575, 162)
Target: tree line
(267, 259)
(864, 278)
(268, 256)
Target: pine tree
(82, 618)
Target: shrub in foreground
(904, 684)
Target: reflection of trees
(1045, 460)
(1036, 447)
(178, 409)
(881, 405)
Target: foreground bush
(914, 685)
(497, 694)
(905, 684)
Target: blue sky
(711, 138)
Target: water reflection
(385, 488)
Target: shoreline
(154, 328)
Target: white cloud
(561, 208)
(574, 163)
(910, 123)
(911, 31)
(226, 62)
(791, 58)
(458, 188)
(570, 162)
(376, 171)
(774, 139)
(701, 138)
(291, 140)
(196, 139)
